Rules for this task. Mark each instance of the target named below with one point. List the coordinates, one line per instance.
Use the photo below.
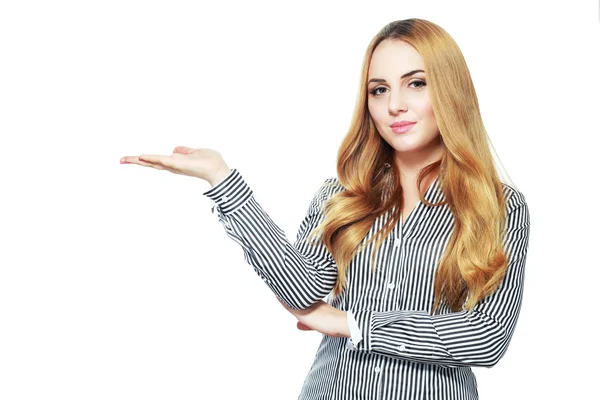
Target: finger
(152, 158)
(303, 327)
(136, 160)
(156, 159)
(183, 150)
(151, 165)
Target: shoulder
(328, 189)
(331, 186)
(514, 198)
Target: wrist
(220, 174)
(344, 327)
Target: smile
(403, 128)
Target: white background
(117, 282)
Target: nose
(396, 103)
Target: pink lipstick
(402, 126)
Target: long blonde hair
(474, 262)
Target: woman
(420, 244)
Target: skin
(394, 99)
(208, 164)
(404, 99)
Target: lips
(401, 124)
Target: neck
(411, 163)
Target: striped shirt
(404, 353)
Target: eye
(376, 91)
(420, 82)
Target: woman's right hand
(205, 164)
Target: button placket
(400, 270)
(394, 257)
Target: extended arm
(300, 274)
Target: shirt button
(402, 347)
(390, 285)
(397, 242)
(377, 369)
(224, 199)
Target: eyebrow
(402, 77)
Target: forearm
(322, 317)
(456, 339)
(218, 175)
(300, 274)
(476, 338)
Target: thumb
(183, 150)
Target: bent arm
(479, 338)
(299, 274)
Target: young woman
(417, 240)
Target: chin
(406, 147)
(408, 150)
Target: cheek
(430, 110)
(375, 112)
(431, 121)
(426, 110)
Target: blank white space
(117, 282)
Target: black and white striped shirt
(405, 353)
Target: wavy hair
(474, 262)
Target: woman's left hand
(321, 317)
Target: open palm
(201, 163)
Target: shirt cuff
(231, 193)
(364, 322)
(355, 333)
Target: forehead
(394, 58)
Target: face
(397, 94)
